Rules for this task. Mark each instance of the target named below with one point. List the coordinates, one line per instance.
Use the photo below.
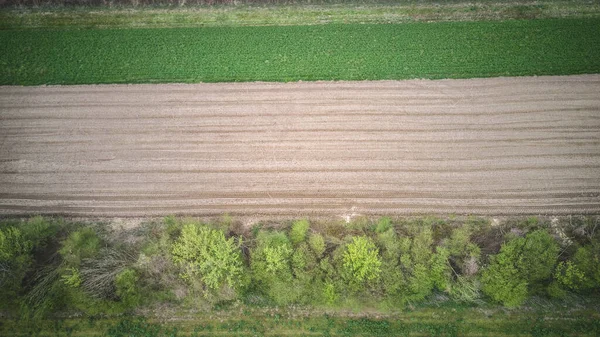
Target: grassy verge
(246, 15)
(430, 322)
(291, 53)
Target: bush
(361, 261)
(126, 286)
(502, 281)
(424, 268)
(298, 231)
(521, 264)
(463, 253)
(206, 253)
(81, 244)
(271, 266)
(317, 244)
(383, 224)
(19, 242)
(582, 272)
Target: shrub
(330, 295)
(537, 256)
(206, 253)
(521, 263)
(13, 244)
(271, 266)
(361, 261)
(317, 244)
(81, 244)
(71, 278)
(98, 273)
(463, 253)
(582, 272)
(383, 224)
(411, 268)
(298, 231)
(126, 287)
(19, 241)
(503, 282)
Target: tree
(206, 253)
(271, 263)
(521, 264)
(361, 261)
(298, 231)
(582, 272)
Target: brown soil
(528, 145)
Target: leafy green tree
(298, 231)
(361, 261)
(502, 280)
(206, 253)
(537, 256)
(521, 264)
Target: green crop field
(291, 53)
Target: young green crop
(291, 53)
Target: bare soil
(527, 145)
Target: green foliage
(277, 258)
(383, 224)
(522, 262)
(19, 241)
(72, 278)
(300, 52)
(298, 231)
(206, 253)
(538, 254)
(582, 272)
(503, 282)
(137, 327)
(464, 253)
(361, 261)
(81, 244)
(330, 294)
(13, 244)
(126, 287)
(271, 264)
(317, 244)
(413, 270)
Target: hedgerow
(49, 265)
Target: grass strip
(290, 14)
(291, 53)
(432, 322)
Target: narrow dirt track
(528, 145)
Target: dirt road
(484, 146)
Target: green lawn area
(290, 53)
